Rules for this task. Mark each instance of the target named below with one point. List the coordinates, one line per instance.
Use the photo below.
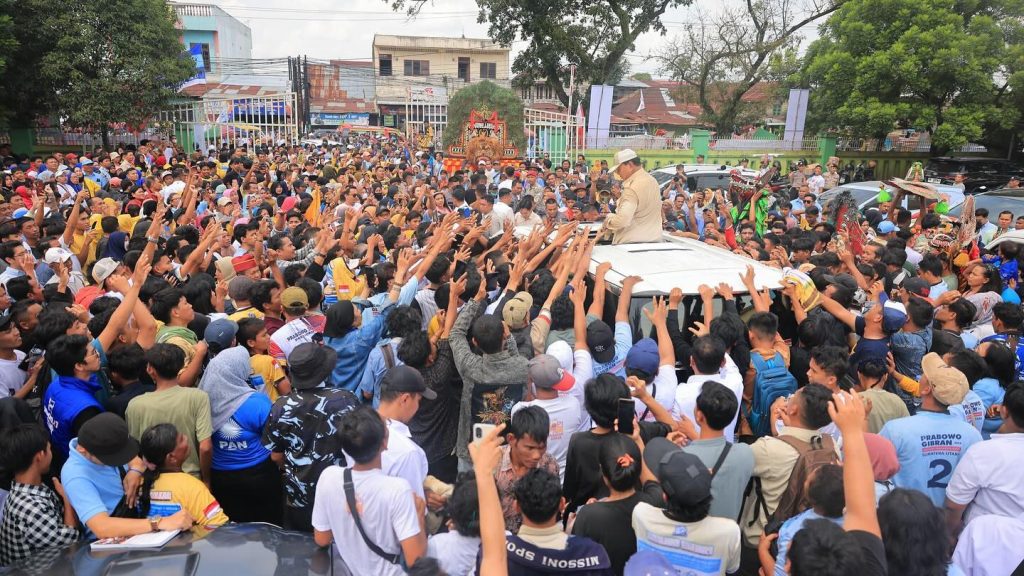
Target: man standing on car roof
(638, 216)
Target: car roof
(681, 263)
(1005, 192)
(699, 168)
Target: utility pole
(568, 113)
(305, 92)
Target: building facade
(224, 41)
(415, 75)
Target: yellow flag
(313, 212)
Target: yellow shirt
(268, 368)
(250, 312)
(77, 242)
(173, 491)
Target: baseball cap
(601, 341)
(86, 162)
(223, 200)
(546, 372)
(917, 286)
(643, 356)
(684, 478)
(844, 280)
(949, 385)
(648, 563)
(294, 297)
(309, 364)
(516, 312)
(239, 287)
(220, 333)
(102, 269)
(885, 227)
(106, 437)
(894, 315)
(55, 255)
(406, 379)
(622, 156)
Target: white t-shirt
(11, 377)
(663, 388)
(710, 547)
(686, 398)
(456, 553)
(990, 546)
(564, 413)
(404, 458)
(989, 478)
(386, 509)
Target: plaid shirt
(505, 478)
(33, 520)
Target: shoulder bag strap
(350, 498)
(647, 409)
(721, 459)
(389, 355)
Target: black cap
(601, 341)
(310, 364)
(406, 379)
(684, 478)
(106, 437)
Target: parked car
(700, 176)
(980, 174)
(865, 194)
(231, 549)
(996, 201)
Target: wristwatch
(154, 523)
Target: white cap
(54, 255)
(102, 269)
(622, 156)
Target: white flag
(641, 106)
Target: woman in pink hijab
(884, 463)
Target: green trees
(98, 62)
(487, 95)
(955, 69)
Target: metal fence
(762, 144)
(552, 135)
(233, 121)
(915, 142)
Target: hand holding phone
(626, 414)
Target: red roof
(342, 106)
(659, 107)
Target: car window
(713, 181)
(994, 205)
(944, 166)
(661, 177)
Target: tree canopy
(92, 63)
(594, 35)
(488, 95)
(954, 69)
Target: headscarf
(884, 462)
(226, 381)
(340, 318)
(116, 246)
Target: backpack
(772, 381)
(821, 450)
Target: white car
(865, 194)
(701, 176)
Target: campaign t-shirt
(971, 410)
(237, 443)
(581, 556)
(298, 331)
(709, 547)
(929, 445)
(564, 415)
(173, 491)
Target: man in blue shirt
(930, 444)
(1006, 322)
(92, 480)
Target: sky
(330, 29)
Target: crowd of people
(419, 366)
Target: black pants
(251, 494)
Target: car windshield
(860, 195)
(994, 204)
(696, 182)
(943, 166)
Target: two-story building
(416, 75)
(224, 41)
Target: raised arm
(127, 305)
(579, 318)
(847, 411)
(69, 228)
(486, 456)
(622, 310)
(658, 317)
(212, 233)
(600, 288)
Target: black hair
(1009, 314)
(764, 324)
(970, 363)
(362, 434)
(562, 313)
(18, 448)
(915, 534)
(438, 269)
(156, 443)
(314, 291)
(261, 294)
(803, 244)
(620, 462)
(823, 548)
(414, 349)
(1001, 361)
(248, 329)
(7, 249)
(127, 361)
(167, 360)
(103, 304)
(963, 312)
(161, 303)
(489, 333)
(708, 354)
(463, 506)
(718, 404)
(532, 421)
(539, 494)
(99, 322)
(832, 359)
(601, 398)
(404, 320)
(825, 490)
(65, 352)
(53, 322)
(814, 408)
(930, 264)
(993, 283)
(19, 287)
(1013, 401)
(920, 312)
(293, 273)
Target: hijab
(884, 462)
(226, 381)
(116, 246)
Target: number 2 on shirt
(938, 480)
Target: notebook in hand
(148, 540)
